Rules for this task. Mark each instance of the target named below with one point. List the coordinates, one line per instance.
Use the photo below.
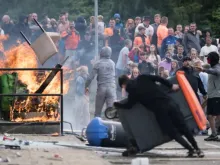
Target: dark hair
(123, 80)
(205, 31)
(213, 56)
(143, 53)
(186, 59)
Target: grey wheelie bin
(141, 125)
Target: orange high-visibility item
(192, 100)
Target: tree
(206, 13)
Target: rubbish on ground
(27, 143)
(57, 156)
(15, 147)
(140, 161)
(55, 134)
(6, 134)
(18, 154)
(5, 160)
(45, 150)
(8, 138)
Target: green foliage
(206, 13)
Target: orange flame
(22, 56)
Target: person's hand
(199, 68)
(117, 104)
(199, 32)
(86, 91)
(175, 87)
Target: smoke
(70, 99)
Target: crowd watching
(140, 45)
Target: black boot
(191, 154)
(132, 148)
(132, 151)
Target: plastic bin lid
(96, 131)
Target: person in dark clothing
(179, 55)
(23, 26)
(207, 34)
(146, 67)
(80, 26)
(167, 112)
(86, 50)
(7, 26)
(193, 78)
(47, 26)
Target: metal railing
(60, 70)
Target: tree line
(206, 13)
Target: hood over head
(106, 52)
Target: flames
(43, 108)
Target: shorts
(213, 106)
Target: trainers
(191, 154)
(130, 152)
(211, 138)
(200, 153)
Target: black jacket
(146, 68)
(194, 80)
(144, 90)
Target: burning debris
(32, 108)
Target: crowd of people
(140, 46)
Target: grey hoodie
(213, 81)
(190, 41)
(104, 68)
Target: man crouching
(144, 90)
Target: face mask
(208, 60)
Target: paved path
(172, 154)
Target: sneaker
(132, 151)
(200, 153)
(191, 154)
(211, 138)
(204, 133)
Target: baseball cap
(117, 16)
(146, 18)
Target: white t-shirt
(101, 27)
(122, 55)
(206, 50)
(148, 32)
(153, 58)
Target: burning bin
(105, 133)
(7, 86)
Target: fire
(22, 56)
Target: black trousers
(172, 122)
